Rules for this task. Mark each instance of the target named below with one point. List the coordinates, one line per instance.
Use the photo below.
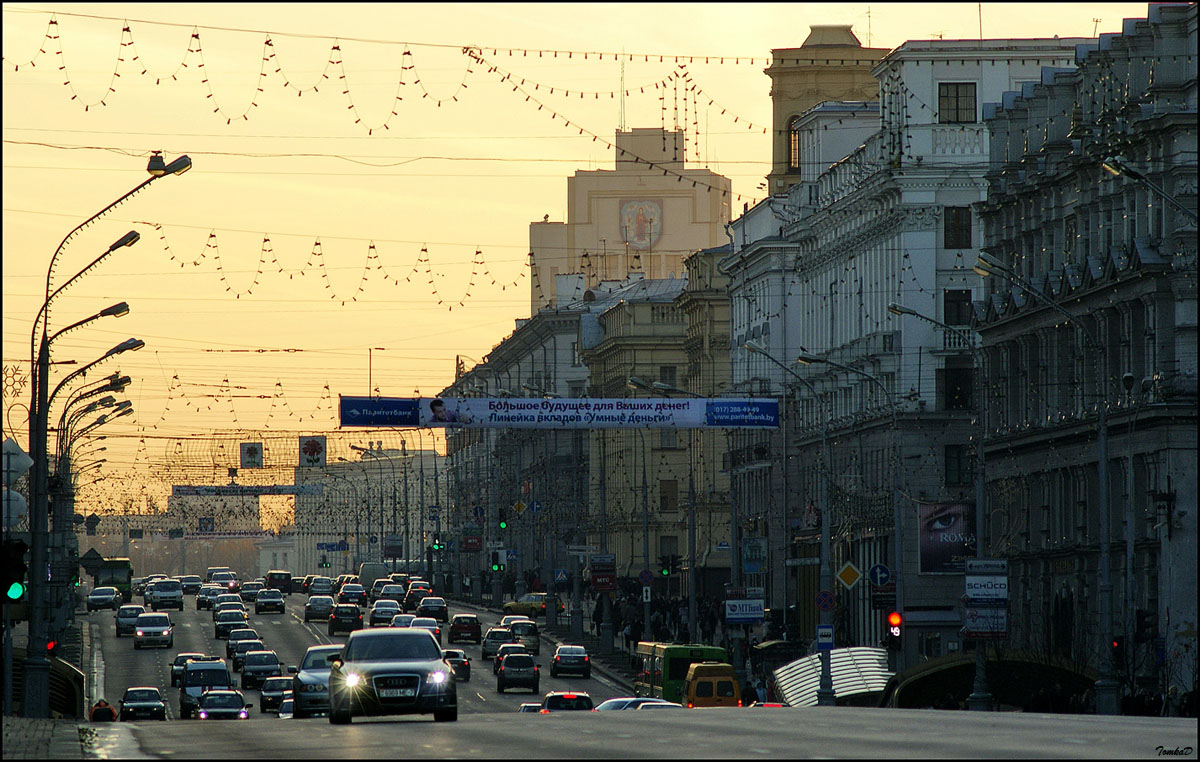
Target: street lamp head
(107, 401)
(899, 309)
(981, 270)
(754, 346)
(128, 239)
(118, 383)
(633, 382)
(1113, 165)
(157, 166)
(808, 359)
(129, 345)
(117, 310)
(179, 166)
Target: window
(793, 134)
(576, 355)
(666, 374)
(958, 465)
(668, 439)
(955, 383)
(668, 496)
(956, 232)
(956, 307)
(956, 102)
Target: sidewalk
(614, 666)
(26, 738)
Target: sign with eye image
(946, 536)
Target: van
(711, 683)
(199, 675)
(280, 580)
(208, 575)
(369, 571)
(526, 633)
(165, 594)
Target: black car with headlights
(223, 705)
(435, 608)
(228, 621)
(240, 649)
(459, 663)
(143, 702)
(389, 671)
(257, 666)
(272, 693)
(345, 617)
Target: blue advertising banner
(557, 413)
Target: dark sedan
(257, 666)
(433, 607)
(388, 671)
(228, 621)
(352, 592)
(143, 702)
(346, 617)
(222, 705)
(272, 693)
(459, 662)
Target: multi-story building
(889, 222)
(1120, 259)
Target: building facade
(1120, 259)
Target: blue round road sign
(825, 600)
(646, 577)
(879, 575)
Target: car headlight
(242, 714)
(352, 680)
(203, 715)
(139, 632)
(437, 678)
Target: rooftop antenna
(868, 26)
(1095, 26)
(621, 126)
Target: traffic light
(502, 513)
(664, 565)
(891, 637)
(52, 648)
(324, 562)
(497, 564)
(675, 563)
(13, 570)
(438, 544)
(1118, 652)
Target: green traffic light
(504, 525)
(15, 591)
(666, 572)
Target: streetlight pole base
(1108, 696)
(826, 697)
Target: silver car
(104, 598)
(126, 617)
(310, 685)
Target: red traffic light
(51, 645)
(894, 619)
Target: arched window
(793, 135)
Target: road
(289, 637)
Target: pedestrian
(102, 711)
(1172, 705)
(761, 690)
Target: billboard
(946, 536)
(559, 413)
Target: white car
(165, 594)
(153, 629)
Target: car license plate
(397, 692)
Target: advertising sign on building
(252, 454)
(946, 536)
(744, 611)
(312, 451)
(472, 542)
(754, 554)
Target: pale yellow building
(831, 65)
(645, 216)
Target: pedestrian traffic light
(1118, 652)
(497, 565)
(438, 544)
(891, 637)
(13, 570)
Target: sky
(357, 212)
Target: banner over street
(546, 413)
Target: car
(517, 671)
(238, 659)
(228, 606)
(250, 589)
(142, 701)
(321, 586)
(165, 594)
(658, 705)
(434, 607)
(269, 599)
(206, 596)
(413, 597)
(530, 706)
(181, 660)
(383, 612)
(210, 571)
(428, 623)
(532, 605)
(495, 637)
(571, 660)
(191, 583)
(126, 617)
(224, 598)
(504, 650)
(258, 665)
(137, 585)
(465, 627)
(390, 671)
(345, 617)
(272, 693)
(201, 675)
(318, 607)
(226, 579)
(228, 621)
(279, 579)
(508, 620)
(352, 592)
(460, 663)
(402, 620)
(769, 705)
(104, 598)
(297, 584)
(526, 632)
(566, 701)
(308, 578)
(242, 633)
(223, 705)
(153, 629)
(627, 702)
(377, 587)
(310, 683)
(287, 708)
(393, 593)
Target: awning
(854, 671)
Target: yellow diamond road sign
(519, 507)
(849, 575)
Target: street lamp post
(636, 383)
(1116, 166)
(980, 699)
(825, 693)
(897, 518)
(1107, 688)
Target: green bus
(118, 573)
(662, 667)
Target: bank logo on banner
(312, 451)
(252, 455)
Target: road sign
(646, 594)
(645, 576)
(849, 575)
(15, 461)
(604, 559)
(602, 581)
(15, 507)
(495, 544)
(536, 507)
(560, 575)
(824, 637)
(825, 600)
(519, 507)
(884, 599)
(755, 592)
(723, 545)
(814, 561)
(879, 575)
(985, 622)
(581, 550)
(986, 566)
(990, 587)
(479, 513)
